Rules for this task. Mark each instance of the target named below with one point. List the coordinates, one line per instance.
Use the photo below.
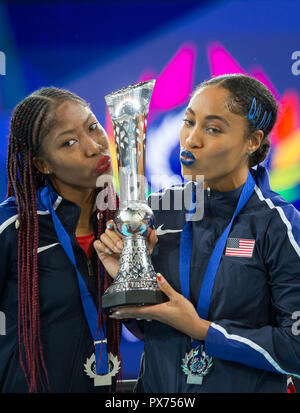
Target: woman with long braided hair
(57, 154)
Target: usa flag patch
(238, 247)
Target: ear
(41, 165)
(255, 140)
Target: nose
(193, 139)
(91, 146)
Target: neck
(83, 197)
(227, 182)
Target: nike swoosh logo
(160, 231)
(46, 247)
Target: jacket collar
(221, 201)
(67, 211)
(55, 198)
(261, 177)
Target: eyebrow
(72, 130)
(210, 117)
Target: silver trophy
(135, 283)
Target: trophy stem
(136, 279)
(135, 283)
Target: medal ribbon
(86, 299)
(185, 254)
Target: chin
(191, 174)
(188, 173)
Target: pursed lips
(187, 158)
(103, 164)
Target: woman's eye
(67, 142)
(212, 130)
(93, 126)
(188, 122)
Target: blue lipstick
(187, 158)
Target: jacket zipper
(90, 268)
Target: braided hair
(31, 121)
(243, 90)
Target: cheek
(225, 152)
(229, 147)
(218, 148)
(66, 164)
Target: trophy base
(132, 297)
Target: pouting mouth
(103, 162)
(187, 155)
(103, 168)
(187, 158)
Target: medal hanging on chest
(196, 364)
(102, 379)
(101, 370)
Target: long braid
(29, 124)
(20, 180)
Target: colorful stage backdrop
(94, 48)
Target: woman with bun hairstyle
(232, 276)
(51, 280)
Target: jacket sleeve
(274, 347)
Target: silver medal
(102, 379)
(196, 364)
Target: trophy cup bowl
(135, 283)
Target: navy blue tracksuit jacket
(66, 338)
(254, 337)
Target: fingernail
(109, 226)
(116, 314)
(108, 251)
(159, 277)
